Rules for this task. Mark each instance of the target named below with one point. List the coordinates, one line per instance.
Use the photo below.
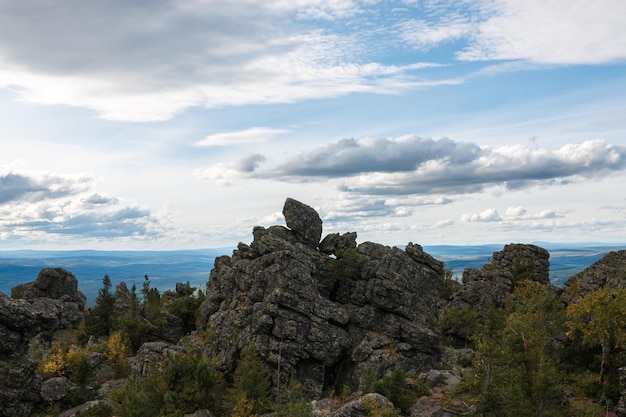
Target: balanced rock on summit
(324, 320)
(303, 221)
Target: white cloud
(252, 135)
(515, 212)
(520, 213)
(489, 215)
(412, 165)
(203, 53)
(550, 32)
(48, 206)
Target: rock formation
(50, 303)
(489, 286)
(610, 270)
(322, 319)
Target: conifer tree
(251, 383)
(101, 319)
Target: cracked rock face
(608, 271)
(320, 319)
(50, 303)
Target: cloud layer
(147, 61)
(43, 206)
(417, 166)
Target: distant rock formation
(321, 319)
(50, 303)
(489, 286)
(610, 270)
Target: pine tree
(251, 383)
(101, 319)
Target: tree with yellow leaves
(600, 319)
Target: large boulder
(53, 283)
(50, 303)
(303, 221)
(320, 319)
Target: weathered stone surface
(608, 271)
(324, 320)
(76, 411)
(50, 303)
(522, 261)
(489, 286)
(334, 243)
(56, 388)
(122, 299)
(150, 353)
(51, 283)
(110, 386)
(303, 221)
(360, 406)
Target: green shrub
(397, 389)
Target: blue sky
(168, 124)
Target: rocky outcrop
(610, 270)
(522, 261)
(56, 283)
(50, 303)
(489, 286)
(320, 319)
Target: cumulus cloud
(489, 215)
(49, 206)
(417, 166)
(38, 186)
(520, 213)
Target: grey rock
(55, 389)
(151, 353)
(51, 283)
(110, 386)
(319, 319)
(523, 261)
(49, 304)
(303, 221)
(84, 407)
(490, 285)
(334, 243)
(608, 271)
(359, 407)
(122, 299)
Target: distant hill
(166, 268)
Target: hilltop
(299, 324)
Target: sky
(166, 125)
